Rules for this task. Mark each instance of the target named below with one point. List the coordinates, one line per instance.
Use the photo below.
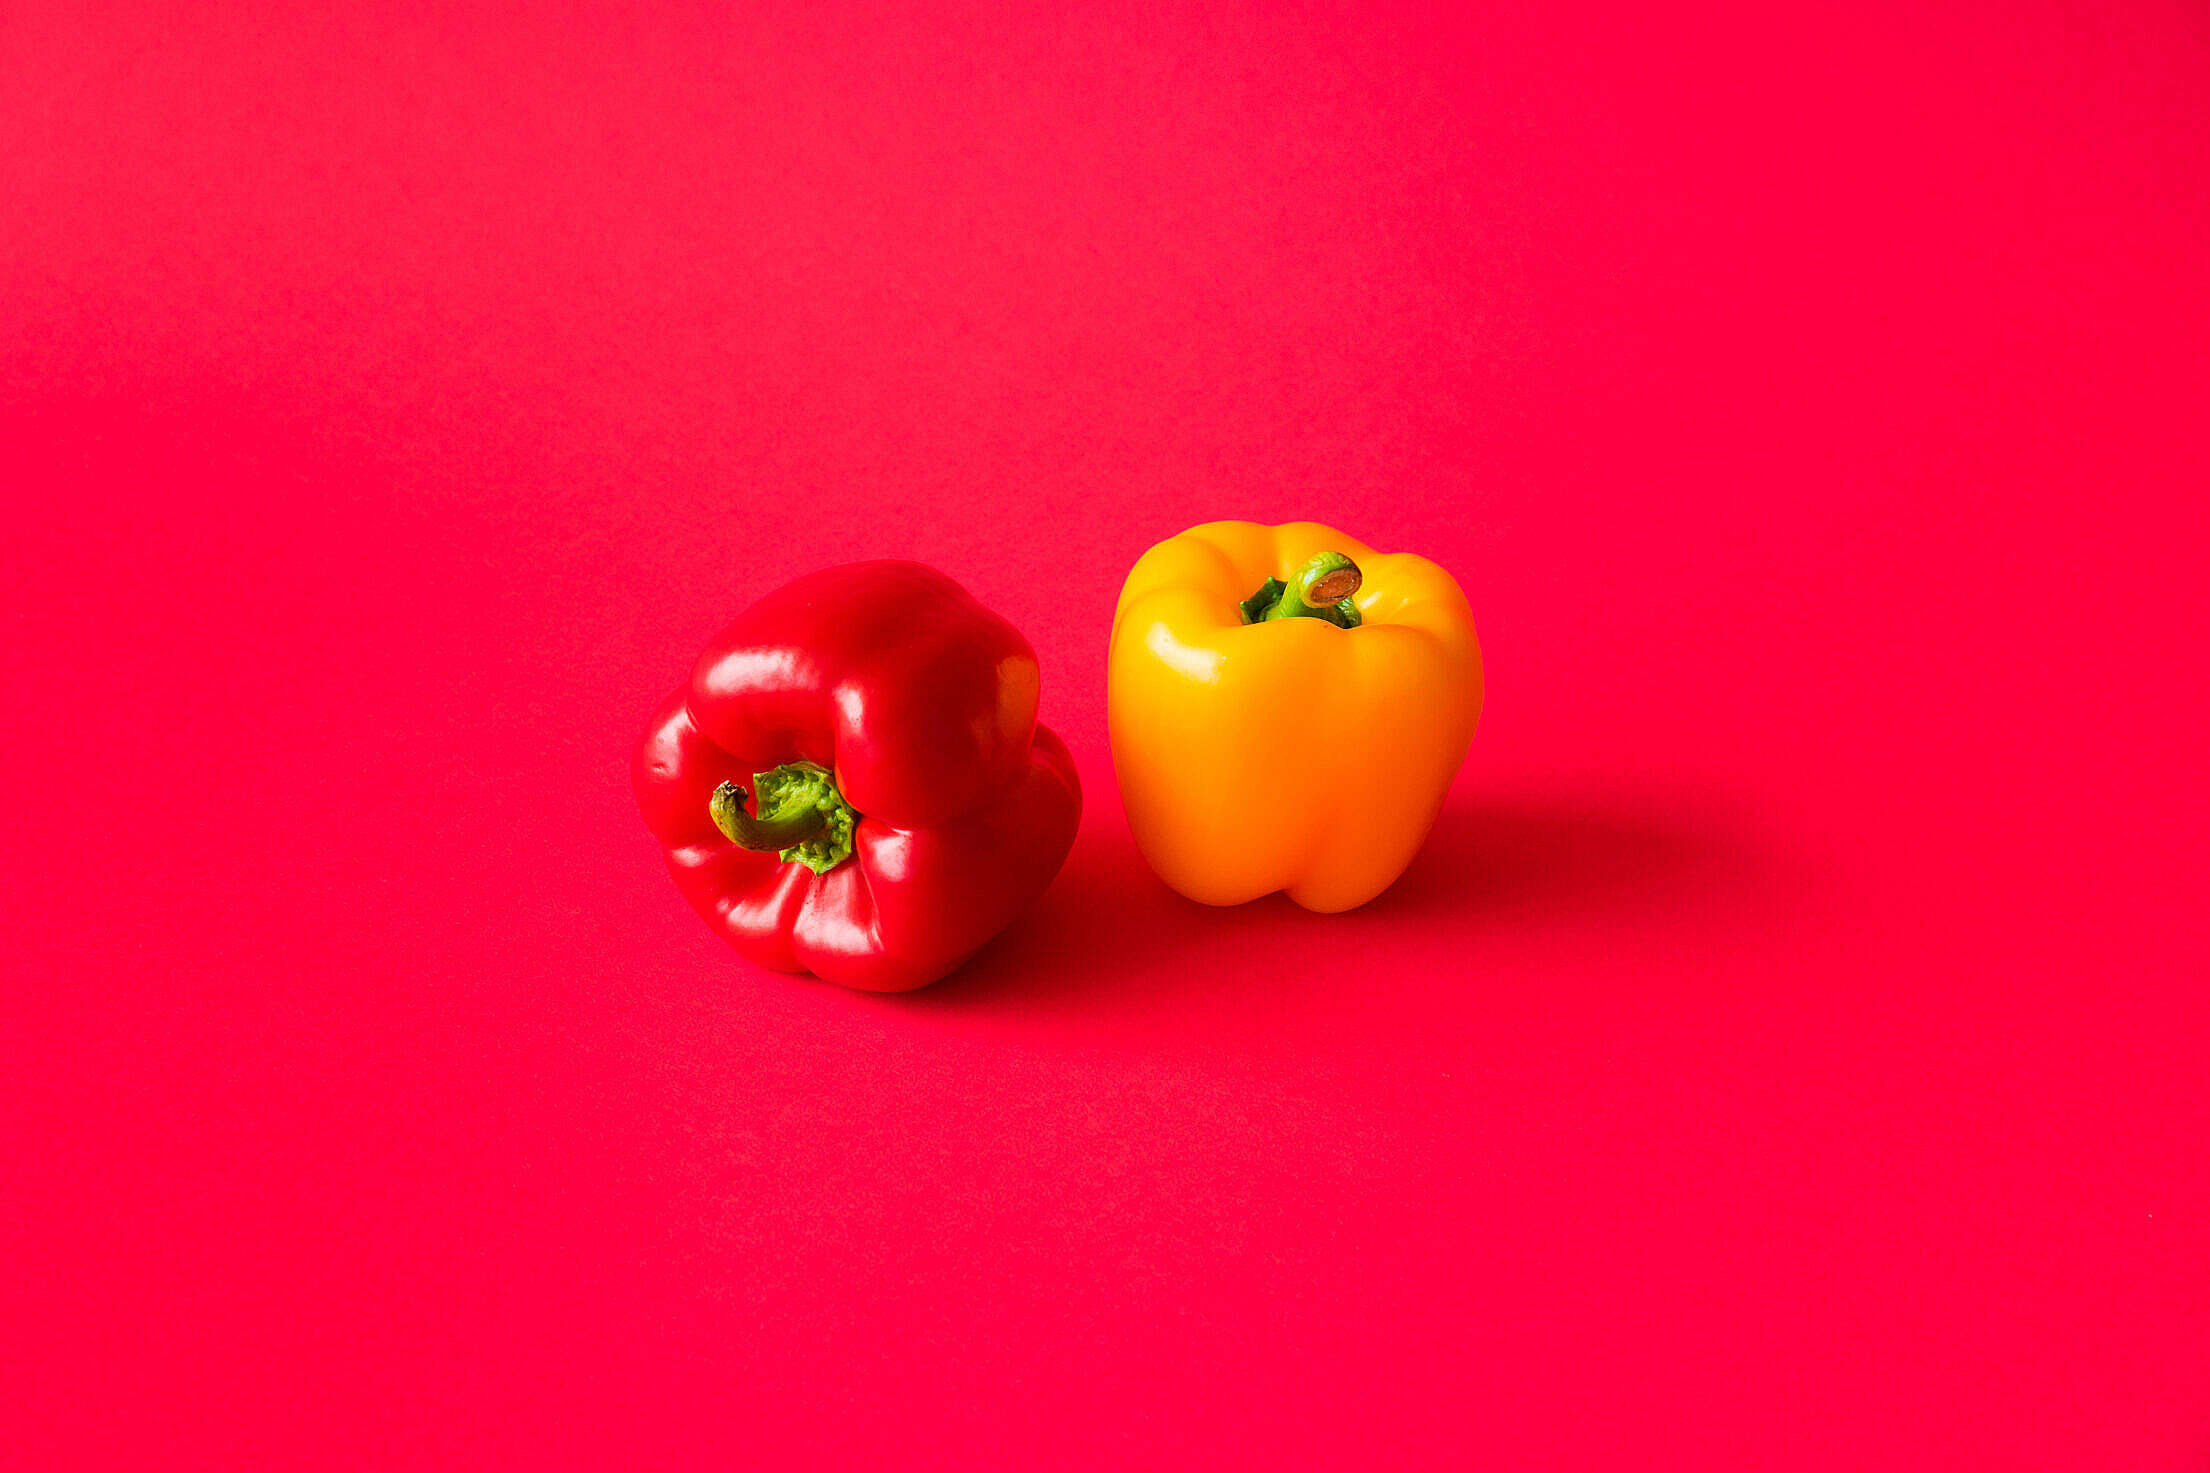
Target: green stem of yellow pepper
(1322, 589)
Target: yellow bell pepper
(1287, 710)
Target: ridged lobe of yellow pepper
(1287, 755)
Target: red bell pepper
(905, 805)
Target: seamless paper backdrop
(1789, 1050)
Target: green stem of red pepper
(801, 816)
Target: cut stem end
(1322, 589)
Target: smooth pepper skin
(1289, 754)
(922, 704)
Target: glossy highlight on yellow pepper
(1258, 752)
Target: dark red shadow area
(1492, 874)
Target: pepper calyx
(1322, 589)
(1255, 607)
(799, 814)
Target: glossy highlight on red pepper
(883, 697)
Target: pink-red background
(1790, 1050)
